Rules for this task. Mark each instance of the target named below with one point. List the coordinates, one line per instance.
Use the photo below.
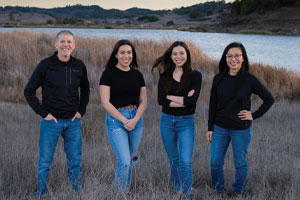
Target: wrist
(135, 119)
(124, 120)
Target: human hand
(124, 121)
(130, 125)
(191, 93)
(209, 136)
(169, 97)
(77, 115)
(245, 115)
(50, 117)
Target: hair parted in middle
(113, 61)
(166, 66)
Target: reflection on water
(279, 51)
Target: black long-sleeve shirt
(60, 84)
(230, 95)
(192, 83)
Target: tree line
(245, 7)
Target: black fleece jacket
(60, 83)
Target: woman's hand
(209, 136)
(245, 115)
(130, 124)
(170, 97)
(191, 93)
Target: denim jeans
(177, 134)
(49, 134)
(220, 142)
(124, 144)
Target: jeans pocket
(76, 120)
(47, 121)
(48, 124)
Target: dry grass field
(274, 154)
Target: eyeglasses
(236, 56)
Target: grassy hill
(241, 16)
(263, 16)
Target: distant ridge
(215, 16)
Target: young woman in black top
(123, 96)
(178, 90)
(230, 116)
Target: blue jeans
(177, 134)
(49, 134)
(124, 144)
(220, 142)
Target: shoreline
(177, 28)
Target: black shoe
(233, 194)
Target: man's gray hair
(64, 32)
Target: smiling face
(124, 56)
(65, 45)
(234, 60)
(179, 56)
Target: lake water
(279, 51)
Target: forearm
(113, 111)
(212, 110)
(267, 104)
(84, 94)
(142, 104)
(34, 103)
(140, 111)
(162, 97)
(175, 99)
(175, 105)
(84, 100)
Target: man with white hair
(60, 76)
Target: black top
(194, 82)
(60, 82)
(124, 86)
(230, 95)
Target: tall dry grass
(274, 159)
(20, 51)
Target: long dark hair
(113, 61)
(223, 67)
(166, 67)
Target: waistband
(128, 107)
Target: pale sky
(107, 4)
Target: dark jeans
(49, 134)
(220, 141)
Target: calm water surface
(279, 51)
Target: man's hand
(77, 115)
(50, 117)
